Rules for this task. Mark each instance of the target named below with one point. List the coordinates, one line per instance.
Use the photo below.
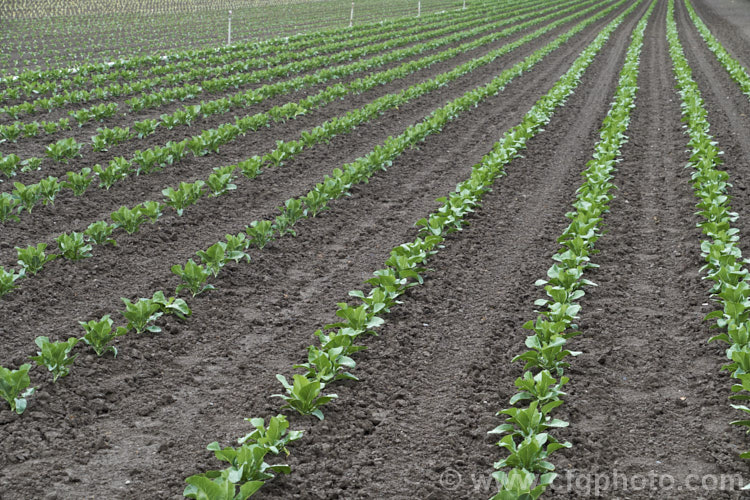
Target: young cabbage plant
(27, 196)
(220, 183)
(235, 247)
(33, 258)
(293, 210)
(8, 205)
(260, 233)
(542, 387)
(328, 365)
(359, 318)
(251, 167)
(520, 484)
(185, 195)
(118, 169)
(221, 488)
(283, 225)
(48, 189)
(343, 337)
(99, 334)
(315, 201)
(530, 453)
(99, 232)
(31, 164)
(128, 219)
(377, 301)
(73, 247)
(8, 280)
(193, 276)
(526, 422)
(64, 150)
(246, 463)
(14, 387)
(172, 305)
(151, 210)
(55, 355)
(214, 257)
(139, 314)
(274, 438)
(9, 164)
(305, 395)
(78, 182)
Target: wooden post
(229, 29)
(351, 16)
(419, 8)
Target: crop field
(491, 251)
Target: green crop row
(209, 141)
(526, 432)
(724, 263)
(300, 41)
(331, 360)
(107, 137)
(238, 60)
(221, 180)
(282, 64)
(735, 69)
(142, 313)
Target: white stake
(419, 8)
(464, 5)
(351, 16)
(229, 29)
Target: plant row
(725, 265)
(240, 73)
(220, 55)
(331, 360)
(58, 357)
(526, 434)
(66, 149)
(248, 57)
(25, 197)
(194, 277)
(221, 180)
(57, 42)
(735, 69)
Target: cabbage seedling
(73, 246)
(99, 334)
(14, 387)
(129, 220)
(304, 396)
(172, 305)
(247, 466)
(8, 280)
(221, 488)
(274, 438)
(54, 355)
(78, 182)
(214, 257)
(99, 232)
(260, 232)
(140, 314)
(33, 258)
(8, 204)
(193, 276)
(328, 365)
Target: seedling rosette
(14, 387)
